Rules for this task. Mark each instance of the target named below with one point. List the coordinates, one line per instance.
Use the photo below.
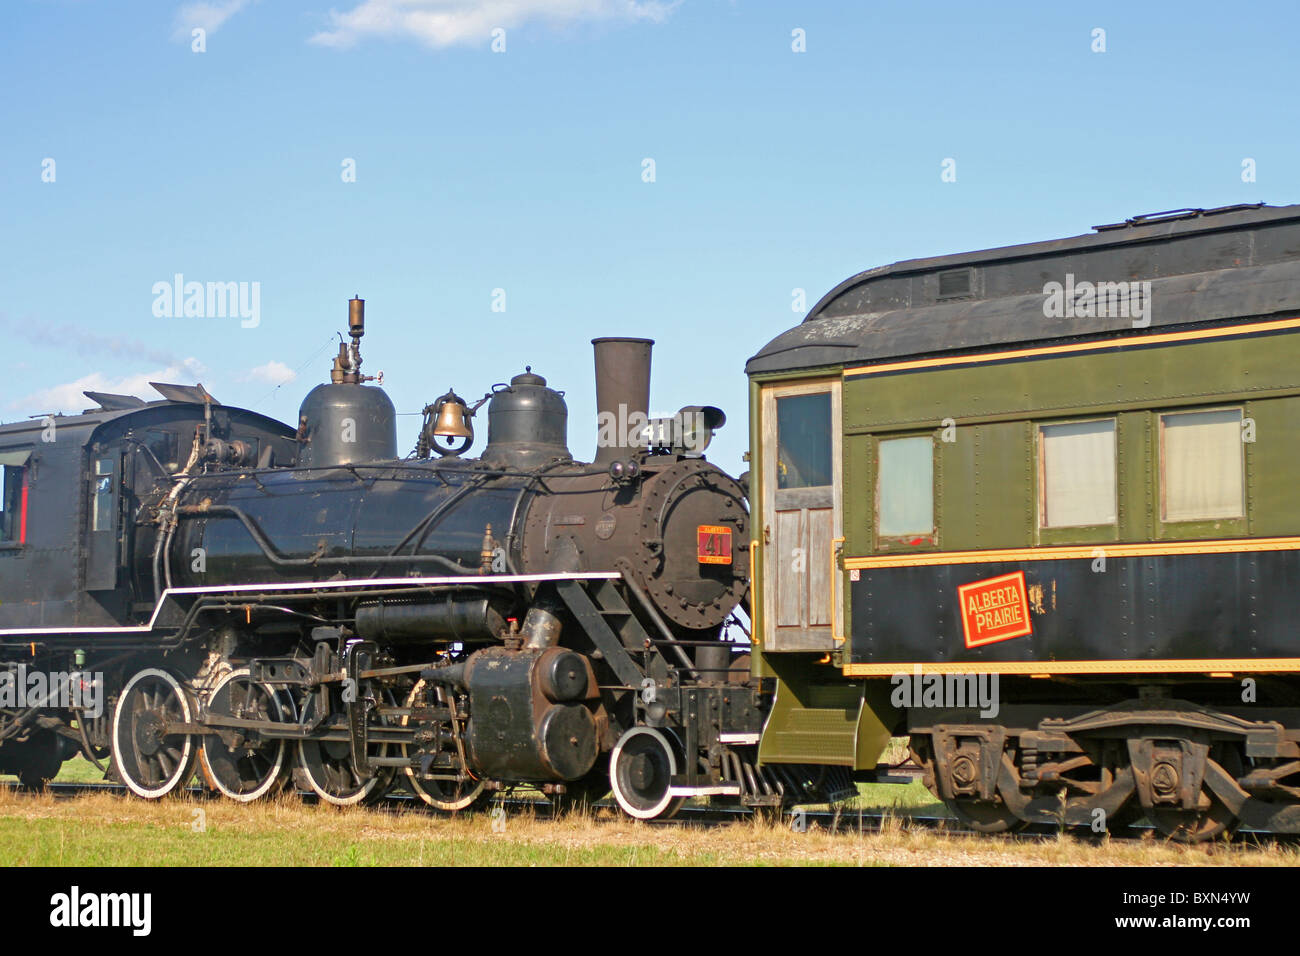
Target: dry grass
(111, 829)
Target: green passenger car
(1036, 508)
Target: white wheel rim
(186, 766)
(418, 786)
(352, 798)
(349, 800)
(629, 808)
(273, 778)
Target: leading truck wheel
(152, 759)
(641, 767)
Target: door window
(803, 430)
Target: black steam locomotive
(200, 585)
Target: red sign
(995, 609)
(713, 544)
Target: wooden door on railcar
(801, 514)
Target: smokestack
(622, 379)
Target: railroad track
(842, 821)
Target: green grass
(52, 843)
(900, 797)
(76, 770)
(80, 770)
(111, 829)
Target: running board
(721, 790)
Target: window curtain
(1203, 465)
(906, 504)
(1079, 474)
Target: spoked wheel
(442, 787)
(640, 768)
(152, 760)
(1211, 819)
(327, 765)
(250, 771)
(985, 817)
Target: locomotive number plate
(995, 609)
(713, 544)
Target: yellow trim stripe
(933, 558)
(1049, 668)
(1125, 342)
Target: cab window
(102, 505)
(12, 524)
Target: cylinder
(562, 675)
(622, 391)
(569, 746)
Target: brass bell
(450, 421)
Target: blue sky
(522, 171)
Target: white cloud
(206, 14)
(272, 373)
(68, 397)
(443, 23)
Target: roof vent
(1170, 215)
(195, 394)
(955, 284)
(107, 401)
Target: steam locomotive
(221, 591)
